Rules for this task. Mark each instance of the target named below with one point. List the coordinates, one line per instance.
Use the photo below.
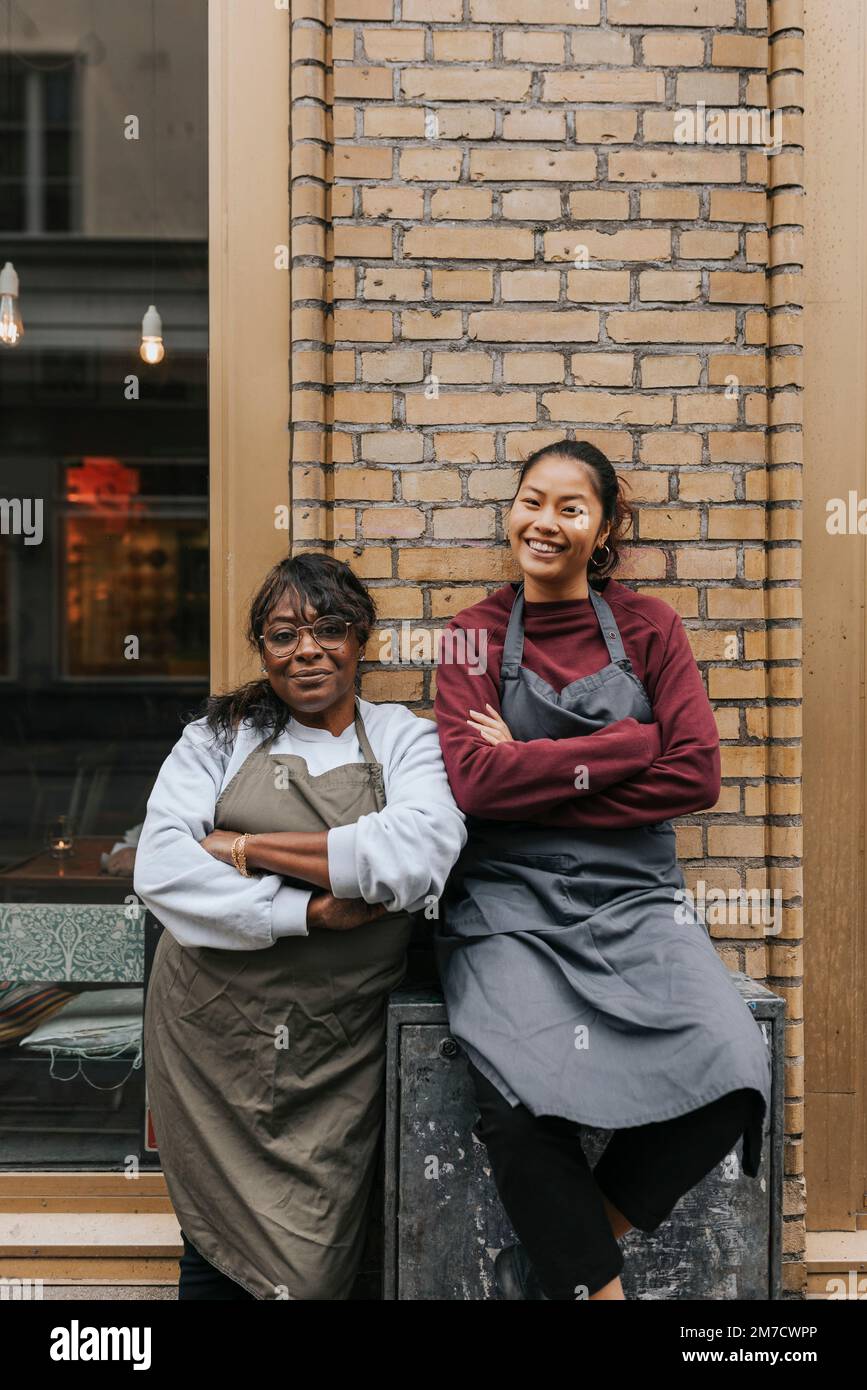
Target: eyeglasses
(328, 631)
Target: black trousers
(554, 1200)
(199, 1278)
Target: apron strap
(369, 757)
(361, 735)
(513, 646)
(610, 630)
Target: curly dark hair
(609, 488)
(316, 581)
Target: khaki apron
(269, 1152)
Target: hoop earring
(595, 563)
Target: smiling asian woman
(580, 987)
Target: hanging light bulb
(11, 327)
(152, 349)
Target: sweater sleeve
(403, 854)
(523, 780)
(685, 777)
(201, 901)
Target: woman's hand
(341, 914)
(219, 844)
(492, 726)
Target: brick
(471, 408)
(430, 11)
(739, 51)
(527, 47)
(550, 326)
(365, 83)
(360, 9)
(457, 243)
(706, 485)
(670, 524)
(598, 205)
(713, 88)
(672, 50)
(394, 122)
(363, 407)
(431, 485)
(660, 203)
(518, 12)
(382, 283)
(701, 409)
(627, 86)
(749, 368)
(458, 446)
(384, 522)
(717, 14)
(593, 47)
(529, 367)
(392, 202)
(396, 685)
(674, 166)
(394, 45)
(471, 204)
(370, 242)
(438, 165)
(700, 562)
(671, 326)
(506, 164)
(538, 204)
(453, 563)
(391, 367)
(362, 325)
(392, 446)
(534, 123)
(634, 244)
(602, 368)
(464, 367)
(602, 408)
(453, 84)
(398, 603)
(737, 287)
(598, 286)
(682, 285)
(670, 369)
(498, 483)
(671, 450)
(530, 285)
(362, 162)
(463, 284)
(601, 127)
(363, 484)
(708, 246)
(461, 46)
(737, 446)
(435, 323)
(466, 122)
(737, 205)
(463, 523)
(746, 523)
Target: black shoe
(515, 1276)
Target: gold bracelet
(239, 855)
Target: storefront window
(104, 568)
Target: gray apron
(569, 982)
(270, 1153)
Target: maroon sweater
(638, 774)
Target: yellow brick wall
(449, 160)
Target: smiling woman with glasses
(291, 834)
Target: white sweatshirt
(399, 856)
